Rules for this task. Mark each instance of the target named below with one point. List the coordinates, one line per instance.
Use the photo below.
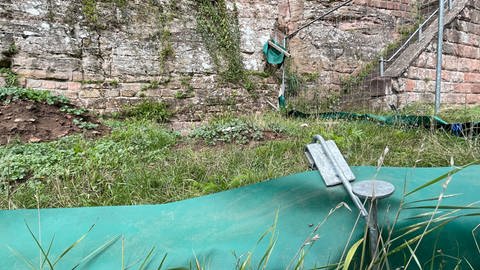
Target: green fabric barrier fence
(216, 228)
(410, 121)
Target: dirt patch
(29, 121)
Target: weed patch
(151, 110)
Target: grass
(143, 162)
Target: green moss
(89, 8)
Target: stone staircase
(378, 92)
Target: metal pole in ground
(438, 81)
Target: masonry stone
(125, 54)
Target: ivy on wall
(220, 32)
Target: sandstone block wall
(123, 53)
(345, 41)
(461, 65)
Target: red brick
(462, 88)
(475, 88)
(452, 76)
(473, 99)
(74, 86)
(410, 85)
(472, 77)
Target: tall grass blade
(23, 258)
(351, 252)
(273, 240)
(40, 247)
(147, 259)
(469, 264)
(123, 253)
(449, 207)
(440, 178)
(301, 260)
(97, 251)
(434, 198)
(73, 245)
(418, 237)
(197, 263)
(48, 251)
(162, 262)
(414, 256)
(246, 263)
(475, 238)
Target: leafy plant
(73, 110)
(11, 79)
(231, 131)
(81, 123)
(14, 93)
(151, 85)
(151, 110)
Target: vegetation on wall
(92, 14)
(165, 18)
(11, 79)
(220, 32)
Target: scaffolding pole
(438, 81)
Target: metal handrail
(407, 42)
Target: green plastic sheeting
(458, 129)
(213, 228)
(273, 56)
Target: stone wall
(345, 41)
(109, 53)
(461, 65)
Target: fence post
(438, 81)
(382, 67)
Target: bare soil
(29, 121)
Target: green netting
(458, 129)
(213, 228)
(273, 56)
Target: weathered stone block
(74, 86)
(453, 98)
(32, 83)
(90, 93)
(49, 85)
(472, 77)
(473, 99)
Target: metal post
(345, 182)
(420, 32)
(373, 230)
(438, 81)
(382, 66)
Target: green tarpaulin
(273, 56)
(217, 228)
(458, 129)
